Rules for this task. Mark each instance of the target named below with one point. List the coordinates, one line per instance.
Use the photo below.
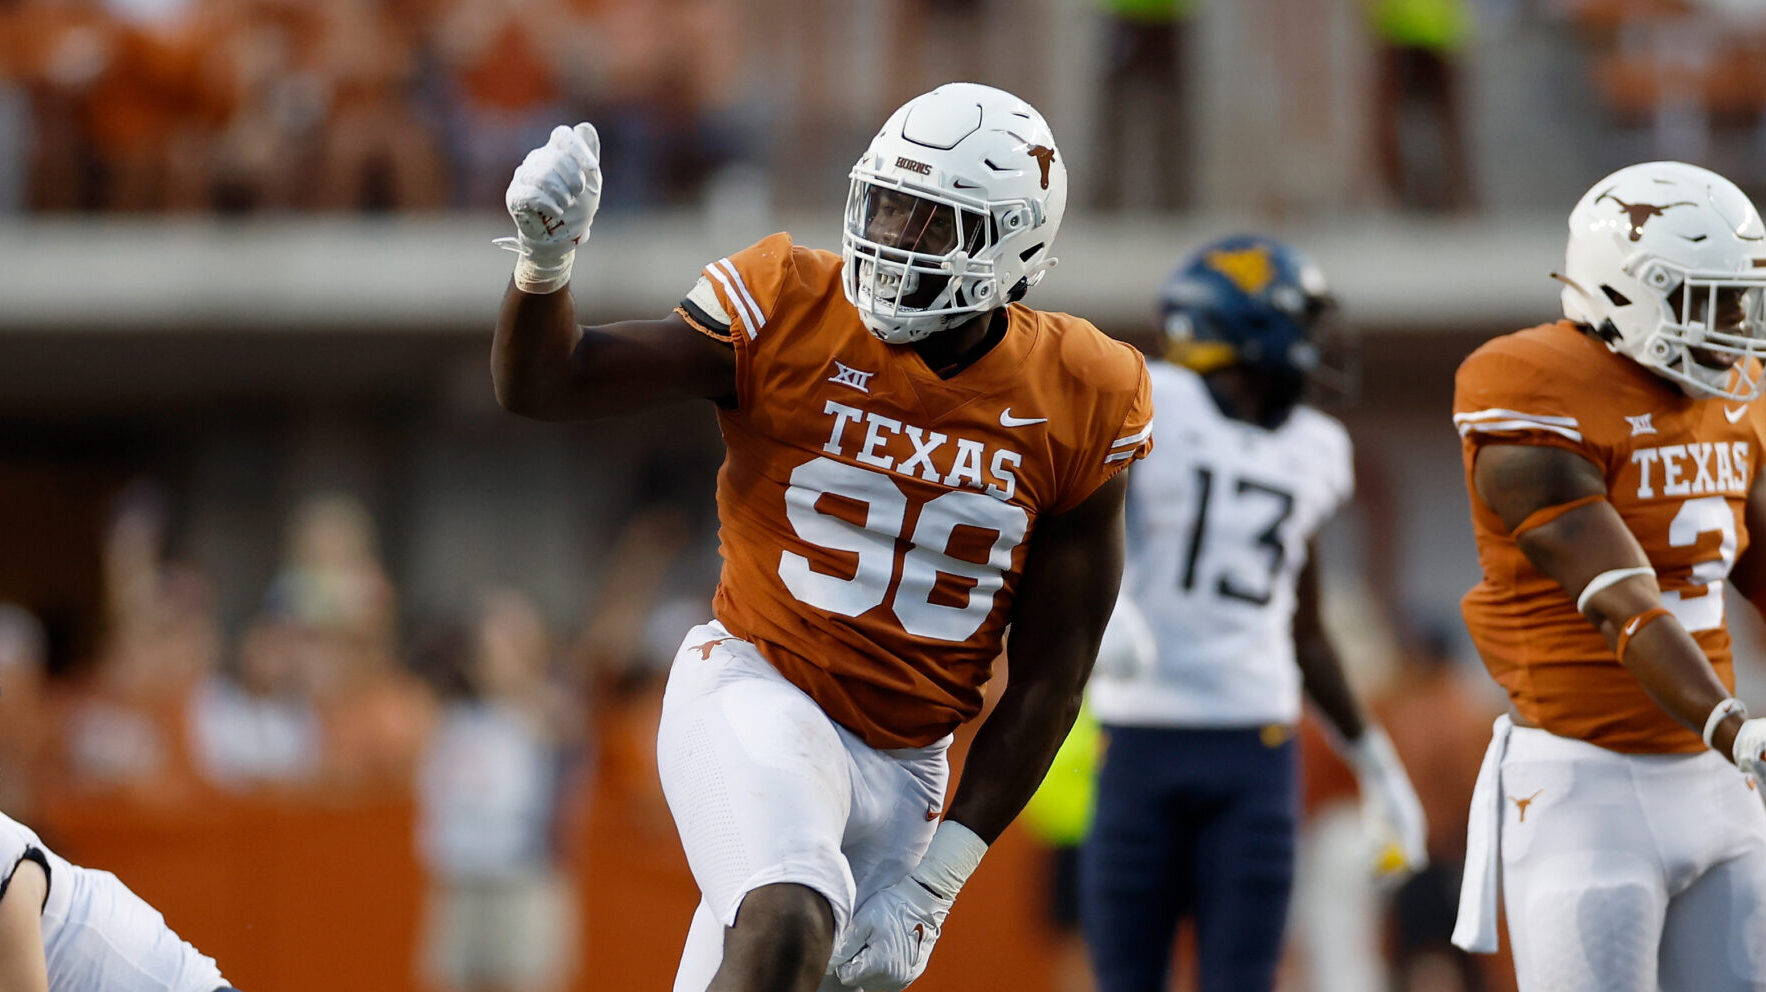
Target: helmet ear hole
(1618, 299)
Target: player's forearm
(531, 354)
(1660, 654)
(1672, 668)
(1321, 673)
(1012, 752)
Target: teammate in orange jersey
(915, 462)
(1613, 460)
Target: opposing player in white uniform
(64, 928)
(1197, 795)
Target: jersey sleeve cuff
(31, 854)
(703, 322)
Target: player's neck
(950, 352)
(1240, 396)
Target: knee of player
(791, 921)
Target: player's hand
(1750, 750)
(556, 190)
(891, 937)
(1389, 807)
(552, 199)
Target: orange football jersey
(1678, 471)
(874, 517)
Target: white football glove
(553, 197)
(1750, 750)
(890, 938)
(1389, 807)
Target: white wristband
(1720, 712)
(1610, 577)
(950, 859)
(539, 273)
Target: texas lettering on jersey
(874, 517)
(1678, 471)
(1693, 469)
(904, 449)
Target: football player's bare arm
(1321, 671)
(1576, 547)
(1391, 811)
(22, 968)
(1064, 600)
(546, 367)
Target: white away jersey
(99, 935)
(1219, 519)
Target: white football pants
(765, 789)
(1629, 872)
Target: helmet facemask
(1714, 326)
(1707, 327)
(921, 261)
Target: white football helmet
(1667, 262)
(952, 211)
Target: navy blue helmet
(1245, 300)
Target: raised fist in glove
(552, 198)
(1389, 807)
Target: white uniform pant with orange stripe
(765, 789)
(1625, 872)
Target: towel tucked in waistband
(1475, 930)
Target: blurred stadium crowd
(242, 105)
(503, 719)
(371, 105)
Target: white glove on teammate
(1389, 806)
(1750, 750)
(891, 936)
(553, 197)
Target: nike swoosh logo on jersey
(1736, 414)
(1631, 628)
(1007, 420)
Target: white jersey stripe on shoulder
(1118, 456)
(748, 323)
(1133, 438)
(1495, 426)
(1497, 413)
(742, 287)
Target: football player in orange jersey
(1613, 462)
(915, 461)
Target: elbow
(512, 398)
(520, 395)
